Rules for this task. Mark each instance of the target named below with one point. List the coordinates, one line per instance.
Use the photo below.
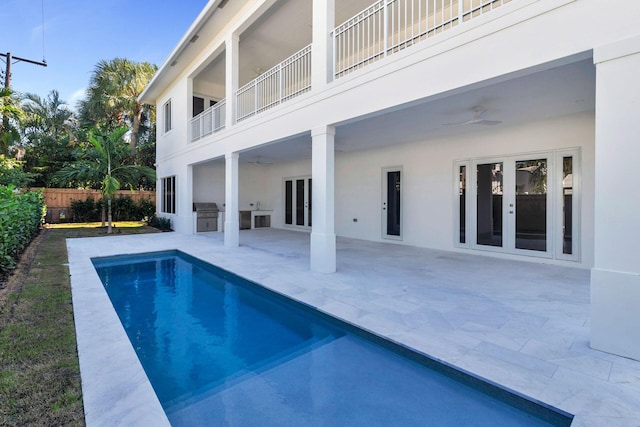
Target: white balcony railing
(288, 79)
(209, 121)
(388, 26)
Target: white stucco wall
(428, 174)
(255, 184)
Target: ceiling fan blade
(486, 122)
(478, 118)
(468, 122)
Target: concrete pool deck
(522, 325)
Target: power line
(43, 60)
(10, 58)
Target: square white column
(188, 202)
(323, 237)
(615, 277)
(322, 48)
(231, 221)
(232, 66)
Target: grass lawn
(39, 371)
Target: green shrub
(123, 208)
(21, 218)
(147, 209)
(85, 210)
(160, 223)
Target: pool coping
(121, 393)
(115, 388)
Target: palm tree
(112, 95)
(11, 114)
(47, 134)
(105, 165)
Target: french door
(297, 202)
(519, 204)
(392, 203)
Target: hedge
(20, 219)
(123, 208)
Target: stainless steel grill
(206, 216)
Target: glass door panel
(300, 202)
(309, 198)
(567, 205)
(391, 203)
(288, 202)
(489, 199)
(462, 196)
(297, 202)
(531, 204)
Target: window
(167, 116)
(168, 195)
(198, 105)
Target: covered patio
(522, 325)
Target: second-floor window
(168, 202)
(167, 116)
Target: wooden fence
(58, 200)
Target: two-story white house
(501, 127)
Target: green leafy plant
(163, 224)
(21, 218)
(124, 208)
(106, 165)
(12, 173)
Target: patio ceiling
(540, 95)
(282, 31)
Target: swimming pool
(220, 350)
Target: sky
(80, 33)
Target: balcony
(389, 26)
(288, 79)
(381, 29)
(209, 121)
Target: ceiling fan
(478, 118)
(259, 160)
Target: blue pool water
(220, 350)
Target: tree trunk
(135, 128)
(109, 230)
(103, 214)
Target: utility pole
(7, 75)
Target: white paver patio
(519, 324)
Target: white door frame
(554, 208)
(384, 207)
(306, 202)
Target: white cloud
(76, 96)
